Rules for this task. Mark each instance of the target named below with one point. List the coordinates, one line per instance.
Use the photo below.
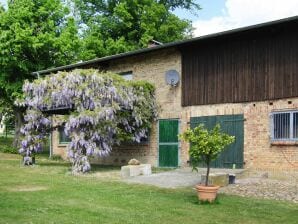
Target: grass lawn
(47, 193)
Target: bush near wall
(6, 145)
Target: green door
(233, 125)
(168, 143)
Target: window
(63, 138)
(126, 75)
(144, 141)
(284, 126)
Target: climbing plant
(105, 111)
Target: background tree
(39, 34)
(34, 35)
(114, 26)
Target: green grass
(47, 193)
(7, 142)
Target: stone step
(136, 170)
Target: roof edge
(167, 45)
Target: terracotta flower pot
(207, 193)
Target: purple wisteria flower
(104, 109)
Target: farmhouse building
(245, 79)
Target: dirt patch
(101, 175)
(108, 175)
(28, 188)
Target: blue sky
(210, 8)
(221, 15)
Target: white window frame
(291, 128)
(61, 132)
(127, 75)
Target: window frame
(61, 130)
(124, 75)
(291, 126)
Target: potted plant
(205, 146)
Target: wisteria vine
(106, 110)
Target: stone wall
(259, 153)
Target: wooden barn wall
(251, 67)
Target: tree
(106, 110)
(113, 26)
(206, 145)
(34, 35)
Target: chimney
(154, 43)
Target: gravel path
(183, 177)
(264, 188)
(258, 187)
(170, 179)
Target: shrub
(6, 145)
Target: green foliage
(112, 26)
(6, 145)
(185, 4)
(34, 35)
(56, 158)
(205, 145)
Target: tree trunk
(19, 121)
(208, 170)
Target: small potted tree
(205, 146)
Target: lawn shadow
(104, 168)
(53, 164)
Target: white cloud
(239, 13)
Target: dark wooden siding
(252, 66)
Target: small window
(63, 138)
(127, 75)
(284, 126)
(144, 141)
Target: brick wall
(152, 68)
(259, 154)
(58, 149)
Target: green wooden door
(168, 143)
(233, 125)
